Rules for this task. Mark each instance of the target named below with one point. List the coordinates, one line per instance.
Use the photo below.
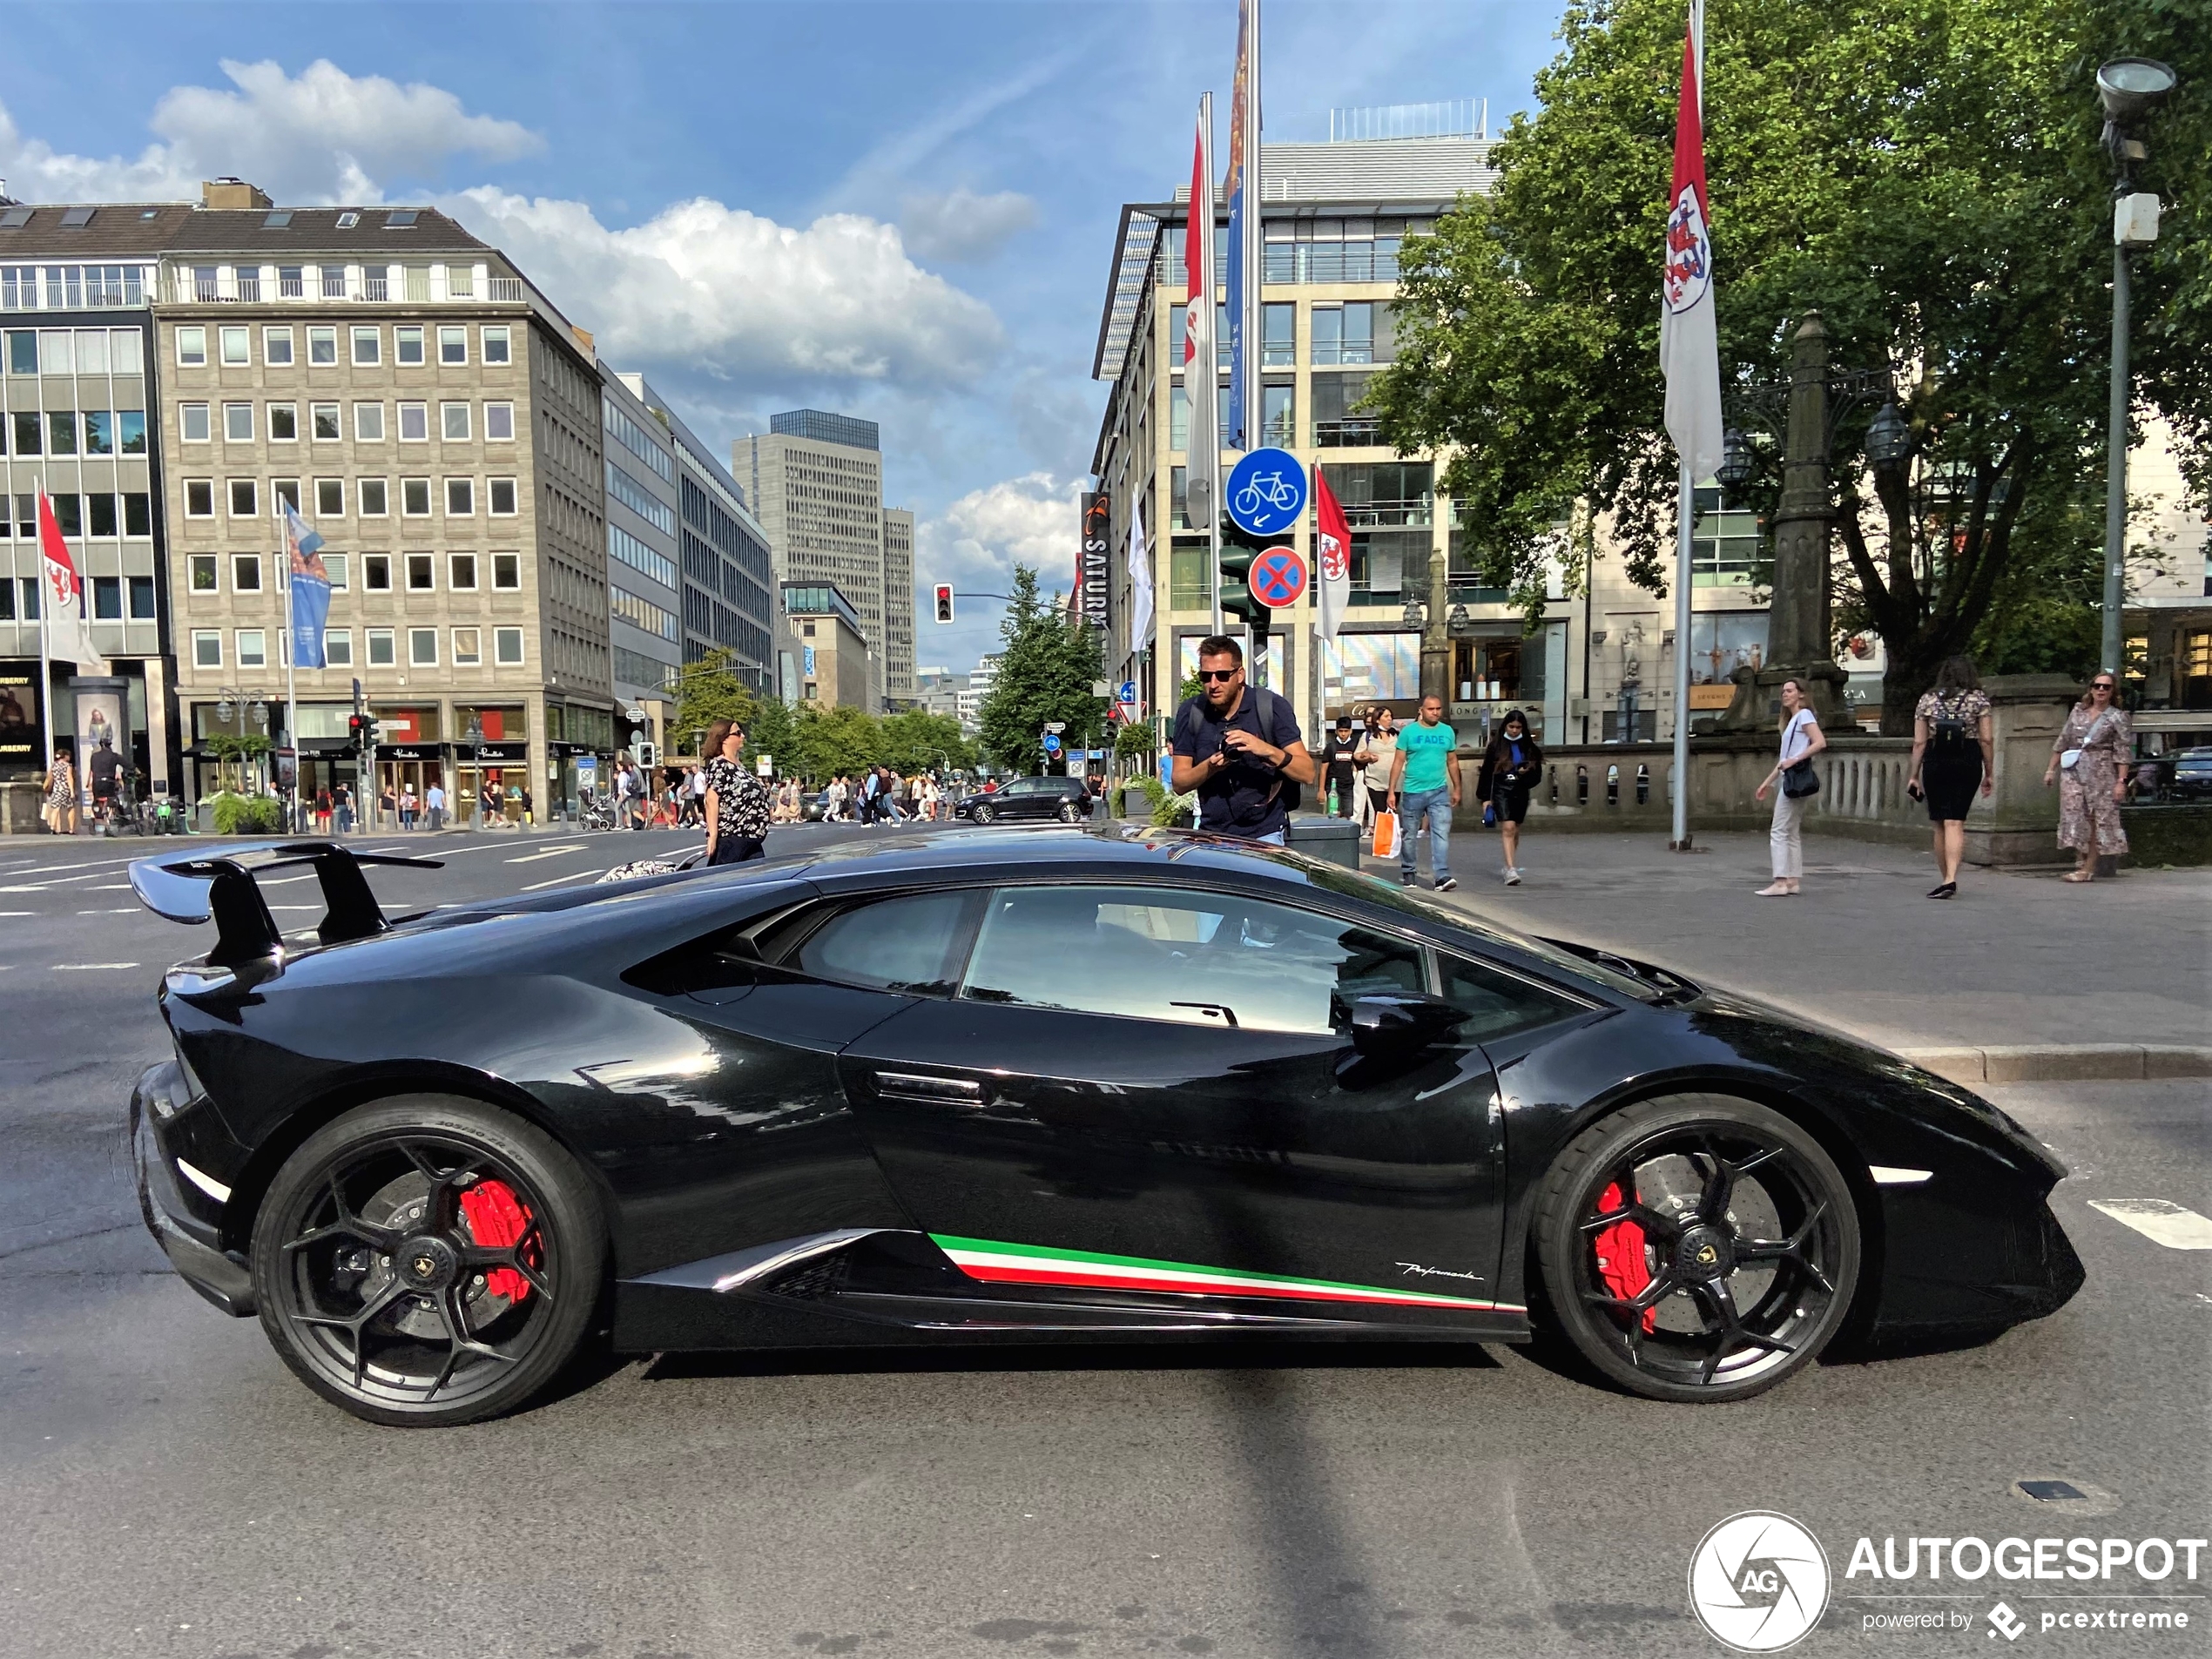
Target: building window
(130, 431)
(200, 498)
(422, 573)
(99, 513)
(142, 599)
(381, 651)
(406, 346)
(334, 276)
(322, 348)
(507, 646)
(376, 572)
(368, 347)
(496, 345)
(421, 648)
(506, 571)
(453, 423)
(468, 651)
(1278, 424)
(284, 423)
(1338, 421)
(338, 648)
(283, 493)
(336, 565)
(453, 342)
(236, 352)
(374, 497)
(99, 432)
(238, 422)
(330, 498)
(246, 499)
(1179, 420)
(414, 423)
(201, 573)
(246, 573)
(191, 347)
(192, 425)
(322, 423)
(1278, 335)
(1357, 332)
(414, 497)
(501, 493)
(107, 598)
(60, 432)
(461, 572)
(206, 648)
(368, 423)
(499, 422)
(276, 347)
(253, 648)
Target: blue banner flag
(309, 585)
(1242, 103)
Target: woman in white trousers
(1802, 739)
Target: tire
(984, 814)
(1070, 814)
(1678, 1283)
(385, 1228)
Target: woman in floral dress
(2090, 764)
(61, 795)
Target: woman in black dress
(1953, 754)
(1510, 768)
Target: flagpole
(1685, 504)
(45, 667)
(1205, 366)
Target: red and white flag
(1688, 342)
(1331, 554)
(1198, 259)
(61, 603)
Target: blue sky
(899, 211)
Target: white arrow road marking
(88, 968)
(578, 876)
(550, 852)
(2160, 1222)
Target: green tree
(710, 690)
(1046, 673)
(916, 740)
(845, 739)
(1927, 174)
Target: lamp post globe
(1889, 440)
(2128, 86)
(1736, 464)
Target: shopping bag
(1386, 841)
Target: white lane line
(2160, 1222)
(111, 886)
(22, 913)
(92, 866)
(124, 910)
(295, 906)
(59, 881)
(557, 879)
(286, 880)
(88, 968)
(550, 852)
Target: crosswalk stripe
(2160, 1222)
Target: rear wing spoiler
(217, 884)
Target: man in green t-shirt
(1424, 784)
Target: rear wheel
(1697, 1247)
(427, 1261)
(1070, 812)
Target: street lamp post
(2127, 88)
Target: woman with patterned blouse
(737, 802)
(2089, 764)
(61, 795)
(1953, 754)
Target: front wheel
(1697, 1247)
(984, 814)
(427, 1261)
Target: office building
(438, 421)
(835, 669)
(644, 584)
(815, 482)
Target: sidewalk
(2015, 961)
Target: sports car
(1039, 1086)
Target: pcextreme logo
(1758, 1582)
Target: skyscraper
(899, 606)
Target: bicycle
(1279, 494)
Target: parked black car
(1043, 1086)
(2192, 776)
(1031, 799)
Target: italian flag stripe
(997, 1263)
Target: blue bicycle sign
(1266, 492)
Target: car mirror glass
(1400, 1025)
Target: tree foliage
(1046, 672)
(811, 741)
(1927, 174)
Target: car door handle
(935, 1091)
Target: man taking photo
(1424, 783)
(1239, 748)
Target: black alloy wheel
(427, 1261)
(1697, 1247)
(984, 814)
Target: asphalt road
(166, 1487)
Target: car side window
(1497, 1003)
(1184, 957)
(910, 944)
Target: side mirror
(1400, 1023)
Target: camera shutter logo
(1758, 1582)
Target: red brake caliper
(1619, 1255)
(496, 1220)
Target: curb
(2064, 1062)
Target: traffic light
(944, 602)
(1236, 598)
(361, 728)
(646, 757)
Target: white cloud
(976, 543)
(703, 286)
(320, 136)
(957, 225)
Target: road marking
(2160, 1222)
(41, 886)
(111, 886)
(1887, 1175)
(21, 912)
(93, 866)
(557, 879)
(126, 910)
(550, 852)
(295, 906)
(88, 968)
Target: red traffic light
(944, 602)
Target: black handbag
(1800, 780)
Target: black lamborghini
(1073, 1087)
